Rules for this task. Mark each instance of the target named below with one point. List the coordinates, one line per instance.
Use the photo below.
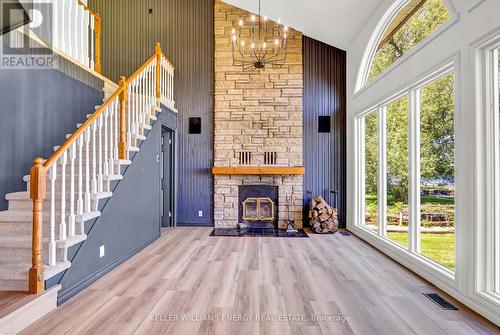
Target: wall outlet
(101, 251)
(200, 214)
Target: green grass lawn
(438, 247)
(371, 200)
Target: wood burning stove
(258, 206)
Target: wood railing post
(37, 194)
(158, 68)
(98, 29)
(122, 145)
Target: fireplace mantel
(256, 170)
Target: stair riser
(25, 228)
(14, 285)
(23, 254)
(17, 274)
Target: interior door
(167, 178)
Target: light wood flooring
(7, 299)
(189, 274)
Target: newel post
(158, 69)
(37, 194)
(122, 145)
(98, 29)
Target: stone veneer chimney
(256, 112)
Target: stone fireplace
(258, 131)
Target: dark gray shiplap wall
(185, 30)
(37, 109)
(325, 94)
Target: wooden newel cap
(158, 48)
(122, 80)
(39, 161)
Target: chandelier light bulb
(277, 42)
(242, 43)
(241, 23)
(253, 17)
(264, 45)
(253, 45)
(234, 38)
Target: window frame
(412, 91)
(362, 83)
(487, 109)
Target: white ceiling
(336, 22)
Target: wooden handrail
(65, 146)
(40, 167)
(168, 61)
(139, 70)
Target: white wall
(474, 19)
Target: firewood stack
(323, 217)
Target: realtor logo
(26, 29)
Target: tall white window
(408, 170)
(437, 171)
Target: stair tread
(133, 149)
(50, 271)
(20, 216)
(24, 195)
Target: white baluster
(80, 207)
(99, 154)
(137, 106)
(84, 27)
(81, 33)
(71, 217)
(143, 98)
(111, 138)
(106, 148)
(52, 243)
(70, 27)
(131, 106)
(116, 132)
(93, 128)
(87, 171)
(129, 116)
(62, 223)
(171, 85)
(92, 41)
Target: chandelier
(259, 43)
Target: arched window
(404, 26)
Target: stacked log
(323, 217)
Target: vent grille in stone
(245, 158)
(270, 158)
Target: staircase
(70, 187)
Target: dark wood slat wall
(325, 95)
(185, 30)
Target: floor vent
(344, 233)
(441, 302)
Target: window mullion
(414, 171)
(382, 171)
(362, 170)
